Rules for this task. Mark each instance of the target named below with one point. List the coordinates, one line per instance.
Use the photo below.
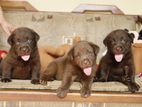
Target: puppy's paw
(61, 93)
(47, 78)
(43, 77)
(103, 79)
(95, 79)
(126, 78)
(35, 81)
(43, 82)
(134, 87)
(85, 92)
(5, 80)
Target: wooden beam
(83, 8)
(17, 5)
(96, 97)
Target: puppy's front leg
(6, 72)
(49, 74)
(66, 83)
(35, 74)
(129, 79)
(86, 87)
(102, 74)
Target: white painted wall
(130, 7)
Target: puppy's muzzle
(118, 49)
(24, 50)
(86, 63)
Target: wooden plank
(17, 5)
(23, 90)
(84, 8)
(76, 86)
(97, 97)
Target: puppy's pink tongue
(25, 57)
(119, 57)
(87, 71)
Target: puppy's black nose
(86, 62)
(24, 49)
(118, 49)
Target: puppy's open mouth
(25, 57)
(118, 57)
(87, 71)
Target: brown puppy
(118, 64)
(48, 53)
(78, 64)
(22, 61)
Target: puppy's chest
(21, 71)
(117, 68)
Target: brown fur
(23, 41)
(49, 53)
(46, 57)
(118, 42)
(70, 67)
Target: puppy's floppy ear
(95, 48)
(126, 30)
(131, 36)
(10, 39)
(70, 54)
(36, 35)
(106, 40)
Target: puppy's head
(83, 54)
(23, 41)
(118, 43)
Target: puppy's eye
(123, 41)
(17, 43)
(112, 42)
(29, 41)
(89, 52)
(77, 55)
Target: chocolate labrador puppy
(118, 64)
(22, 61)
(79, 64)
